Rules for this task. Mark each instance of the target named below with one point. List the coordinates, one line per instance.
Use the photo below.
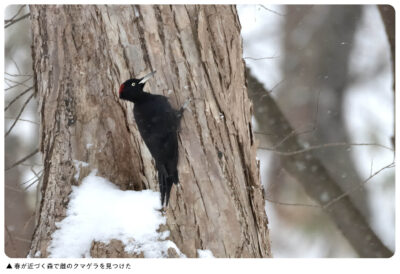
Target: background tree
(311, 144)
(19, 122)
(318, 70)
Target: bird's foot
(184, 106)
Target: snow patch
(206, 253)
(78, 165)
(137, 14)
(99, 211)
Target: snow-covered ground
(99, 211)
(205, 253)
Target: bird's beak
(147, 77)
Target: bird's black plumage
(158, 124)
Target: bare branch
(273, 11)
(34, 182)
(22, 239)
(11, 239)
(34, 177)
(293, 204)
(18, 84)
(31, 164)
(261, 58)
(23, 159)
(17, 20)
(19, 115)
(16, 65)
(14, 189)
(277, 85)
(15, 15)
(331, 202)
(31, 218)
(23, 120)
(314, 128)
(38, 176)
(19, 73)
(15, 82)
(19, 96)
(290, 153)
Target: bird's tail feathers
(165, 182)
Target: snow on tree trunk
(82, 54)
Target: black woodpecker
(158, 124)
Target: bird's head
(132, 89)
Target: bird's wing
(157, 124)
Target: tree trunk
(315, 178)
(387, 13)
(320, 81)
(81, 54)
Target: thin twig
(314, 128)
(19, 96)
(23, 159)
(15, 15)
(276, 85)
(13, 188)
(19, 73)
(275, 12)
(28, 221)
(34, 177)
(26, 188)
(293, 204)
(15, 82)
(16, 65)
(31, 164)
(19, 84)
(38, 176)
(19, 114)
(22, 239)
(23, 120)
(284, 139)
(34, 172)
(290, 153)
(261, 58)
(17, 20)
(11, 239)
(331, 202)
(293, 132)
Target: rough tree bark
(81, 54)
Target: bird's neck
(139, 97)
(142, 96)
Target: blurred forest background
(328, 68)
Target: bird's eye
(133, 84)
